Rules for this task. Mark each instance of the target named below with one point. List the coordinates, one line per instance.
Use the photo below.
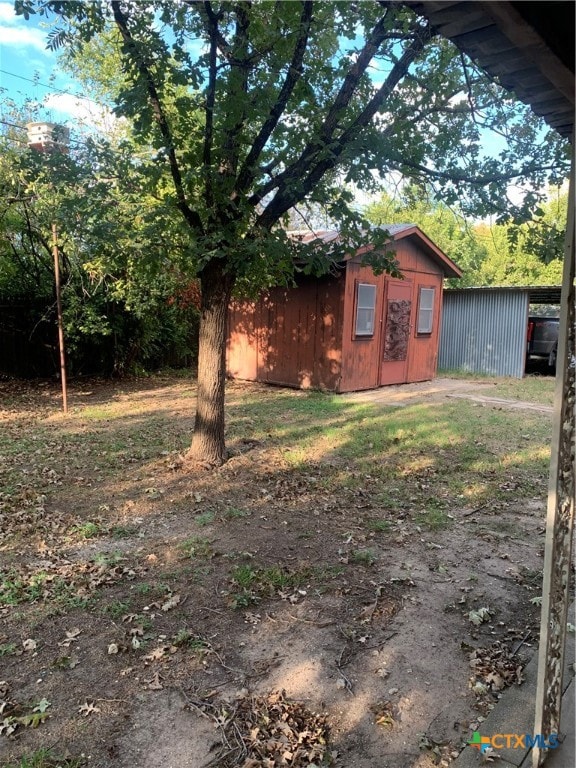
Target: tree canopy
(120, 289)
(488, 252)
(256, 107)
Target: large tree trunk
(208, 445)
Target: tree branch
(209, 114)
(246, 175)
(398, 163)
(468, 89)
(237, 84)
(213, 19)
(192, 217)
(332, 151)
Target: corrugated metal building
(346, 332)
(484, 329)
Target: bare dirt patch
(368, 568)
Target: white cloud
(81, 112)
(20, 37)
(7, 13)
(16, 32)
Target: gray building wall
(484, 331)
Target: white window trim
(365, 333)
(425, 312)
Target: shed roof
(528, 46)
(398, 232)
(537, 294)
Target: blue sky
(24, 57)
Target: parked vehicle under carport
(542, 339)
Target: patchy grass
(380, 526)
(531, 388)
(126, 574)
(7, 649)
(46, 758)
(362, 557)
(87, 530)
(196, 547)
(433, 520)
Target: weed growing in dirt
(15, 590)
(116, 608)
(379, 526)
(123, 531)
(432, 520)
(7, 649)
(87, 530)
(45, 758)
(233, 513)
(244, 578)
(186, 639)
(206, 518)
(250, 583)
(196, 547)
(109, 558)
(362, 557)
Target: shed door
(396, 336)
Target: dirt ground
(391, 644)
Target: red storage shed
(352, 331)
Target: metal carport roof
(537, 294)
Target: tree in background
(255, 108)
(450, 231)
(530, 253)
(527, 254)
(121, 285)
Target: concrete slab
(470, 758)
(514, 714)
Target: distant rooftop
(329, 235)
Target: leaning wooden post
(560, 517)
(56, 254)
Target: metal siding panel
(484, 332)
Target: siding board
(484, 332)
(304, 336)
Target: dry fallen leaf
(129, 617)
(154, 683)
(88, 708)
(113, 648)
(172, 602)
(70, 637)
(156, 654)
(480, 616)
(29, 645)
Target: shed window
(365, 309)
(425, 310)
